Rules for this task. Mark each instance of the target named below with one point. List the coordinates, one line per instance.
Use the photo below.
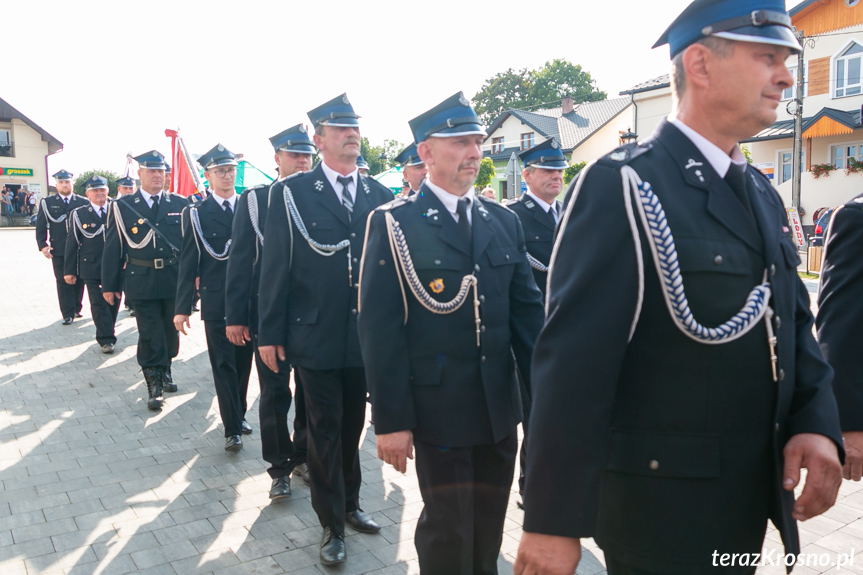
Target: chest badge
(140, 221)
(319, 185)
(134, 229)
(437, 285)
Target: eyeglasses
(222, 172)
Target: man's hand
(46, 251)
(181, 322)
(853, 455)
(70, 279)
(818, 454)
(396, 448)
(238, 334)
(111, 296)
(269, 353)
(547, 555)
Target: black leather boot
(153, 377)
(168, 380)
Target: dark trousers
(465, 491)
(104, 315)
(301, 431)
(158, 341)
(277, 448)
(526, 405)
(231, 366)
(71, 297)
(336, 411)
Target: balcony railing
(7, 149)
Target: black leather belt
(158, 264)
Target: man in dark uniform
(414, 170)
(539, 211)
(678, 390)
(839, 319)
(204, 258)
(293, 153)
(362, 166)
(83, 258)
(439, 351)
(142, 250)
(51, 232)
(308, 311)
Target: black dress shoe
(78, 315)
(67, 321)
(302, 471)
(332, 547)
(361, 522)
(281, 488)
(233, 443)
(246, 428)
(131, 313)
(108, 348)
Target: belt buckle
(159, 263)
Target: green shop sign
(16, 172)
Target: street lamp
(383, 160)
(628, 137)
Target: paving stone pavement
(94, 483)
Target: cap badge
(463, 101)
(437, 285)
(221, 148)
(345, 101)
(302, 129)
(554, 144)
(155, 154)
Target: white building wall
(511, 131)
(650, 108)
(30, 152)
(603, 140)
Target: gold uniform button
(654, 465)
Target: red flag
(184, 177)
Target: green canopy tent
(392, 179)
(248, 176)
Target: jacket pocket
(664, 454)
(307, 316)
(789, 250)
(436, 260)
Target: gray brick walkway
(92, 482)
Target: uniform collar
(719, 160)
(97, 208)
(450, 201)
(540, 202)
(332, 177)
(148, 197)
(220, 201)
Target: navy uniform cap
(95, 181)
(338, 112)
(409, 157)
(546, 156)
(760, 21)
(127, 182)
(452, 117)
(294, 139)
(362, 164)
(218, 155)
(62, 175)
(167, 168)
(152, 160)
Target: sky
(107, 77)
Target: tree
(371, 154)
(486, 173)
(78, 187)
(572, 171)
(523, 89)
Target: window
(840, 153)
(846, 71)
(527, 141)
(496, 145)
(6, 148)
(787, 94)
(783, 173)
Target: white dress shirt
(332, 178)
(232, 201)
(450, 201)
(716, 157)
(148, 197)
(545, 206)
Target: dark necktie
(552, 214)
(227, 205)
(736, 180)
(155, 207)
(66, 200)
(463, 222)
(102, 213)
(347, 201)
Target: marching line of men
(664, 439)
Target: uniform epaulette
(491, 202)
(178, 196)
(625, 154)
(395, 203)
(258, 187)
(855, 203)
(294, 175)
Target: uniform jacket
(308, 302)
(54, 234)
(538, 233)
(839, 310)
(429, 375)
(196, 261)
(83, 254)
(244, 260)
(143, 282)
(665, 449)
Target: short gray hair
(722, 47)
